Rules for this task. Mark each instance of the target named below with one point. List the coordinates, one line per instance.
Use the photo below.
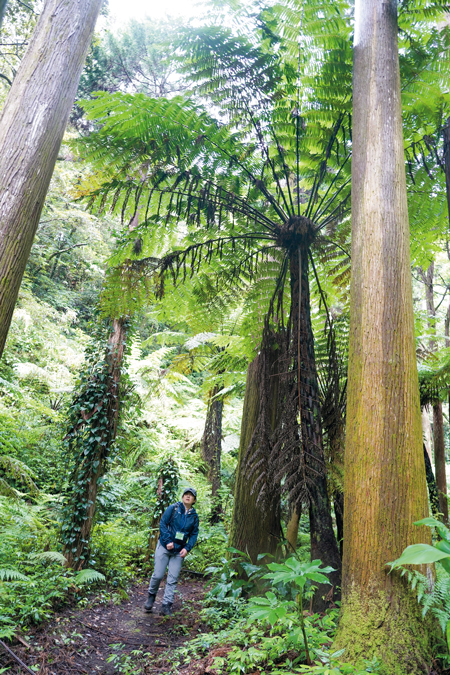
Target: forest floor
(79, 641)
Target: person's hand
(169, 547)
(183, 553)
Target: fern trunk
(323, 541)
(385, 488)
(32, 125)
(253, 529)
(212, 450)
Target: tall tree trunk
(100, 426)
(385, 488)
(253, 529)
(31, 130)
(212, 450)
(323, 540)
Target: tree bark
(212, 450)
(31, 130)
(253, 529)
(385, 488)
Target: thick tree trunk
(212, 450)
(31, 130)
(385, 487)
(323, 540)
(253, 529)
(81, 508)
(439, 459)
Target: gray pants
(164, 558)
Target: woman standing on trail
(178, 532)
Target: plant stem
(302, 623)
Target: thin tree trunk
(212, 450)
(433, 493)
(323, 540)
(81, 508)
(439, 459)
(438, 419)
(426, 431)
(447, 162)
(31, 130)
(292, 530)
(339, 513)
(3, 4)
(385, 488)
(253, 529)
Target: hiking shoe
(149, 604)
(166, 609)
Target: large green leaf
(419, 554)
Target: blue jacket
(175, 519)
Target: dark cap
(192, 490)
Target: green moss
(386, 624)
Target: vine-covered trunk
(385, 488)
(32, 125)
(439, 459)
(166, 494)
(254, 529)
(323, 541)
(212, 450)
(99, 409)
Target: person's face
(188, 499)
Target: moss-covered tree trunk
(32, 125)
(212, 450)
(253, 529)
(385, 488)
(323, 541)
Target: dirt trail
(79, 641)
